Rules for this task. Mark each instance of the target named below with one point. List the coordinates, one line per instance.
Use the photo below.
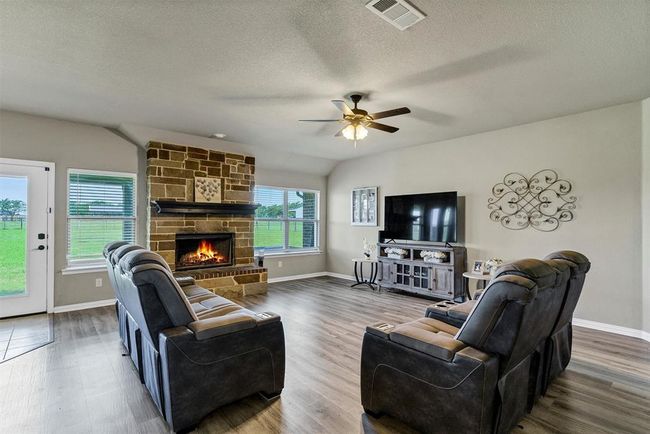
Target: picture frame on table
(478, 267)
(364, 206)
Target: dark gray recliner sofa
(192, 363)
(555, 353)
(558, 350)
(438, 378)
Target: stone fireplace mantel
(171, 170)
(175, 207)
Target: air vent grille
(382, 5)
(399, 13)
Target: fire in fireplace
(204, 250)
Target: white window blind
(101, 209)
(286, 219)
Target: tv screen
(421, 217)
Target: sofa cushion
(194, 291)
(428, 336)
(221, 311)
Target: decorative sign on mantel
(540, 202)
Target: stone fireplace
(177, 225)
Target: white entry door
(24, 214)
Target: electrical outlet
(279, 264)
(99, 282)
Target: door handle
(41, 247)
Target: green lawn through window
(12, 258)
(270, 235)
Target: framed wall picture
(207, 189)
(364, 206)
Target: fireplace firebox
(204, 250)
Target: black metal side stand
(358, 274)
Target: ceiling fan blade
(320, 120)
(382, 127)
(389, 113)
(341, 105)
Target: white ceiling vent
(399, 13)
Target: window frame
(286, 250)
(91, 265)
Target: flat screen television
(421, 217)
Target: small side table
(481, 281)
(358, 272)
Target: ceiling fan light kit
(355, 132)
(359, 120)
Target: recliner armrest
(439, 345)
(221, 325)
(230, 323)
(185, 280)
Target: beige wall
(83, 146)
(297, 264)
(272, 168)
(645, 200)
(68, 145)
(598, 151)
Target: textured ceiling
(251, 69)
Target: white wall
(68, 145)
(598, 151)
(645, 200)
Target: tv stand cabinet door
(443, 283)
(401, 275)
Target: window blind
(101, 209)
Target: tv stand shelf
(442, 280)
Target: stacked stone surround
(171, 170)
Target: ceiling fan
(357, 120)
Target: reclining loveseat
(555, 353)
(478, 378)
(195, 351)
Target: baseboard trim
(83, 306)
(297, 277)
(611, 328)
(340, 276)
(309, 276)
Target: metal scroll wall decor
(540, 202)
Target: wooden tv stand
(412, 274)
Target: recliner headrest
(542, 273)
(488, 311)
(562, 270)
(121, 251)
(141, 257)
(578, 262)
(110, 247)
(176, 304)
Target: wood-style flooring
(20, 335)
(81, 383)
